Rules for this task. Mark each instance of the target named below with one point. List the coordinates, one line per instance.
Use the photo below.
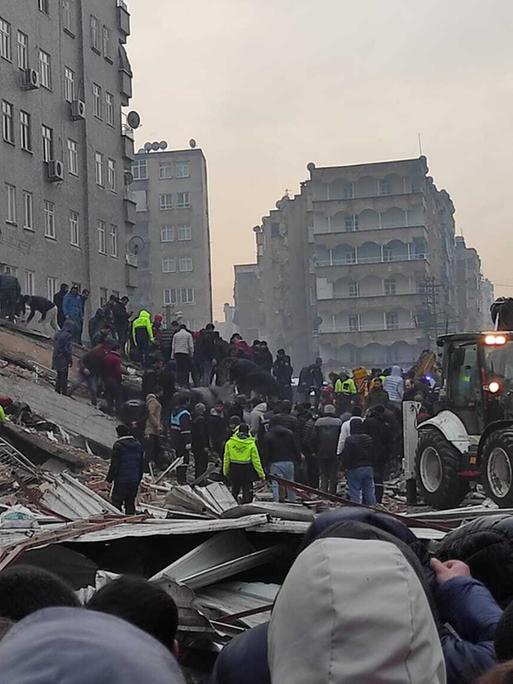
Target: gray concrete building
(172, 234)
(468, 286)
(360, 267)
(64, 78)
(249, 305)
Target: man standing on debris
(73, 308)
(153, 429)
(142, 335)
(46, 308)
(358, 461)
(126, 470)
(242, 463)
(280, 452)
(121, 321)
(112, 375)
(58, 301)
(326, 435)
(182, 351)
(62, 358)
(181, 425)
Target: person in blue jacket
(73, 309)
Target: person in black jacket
(218, 423)
(62, 357)
(306, 418)
(58, 300)
(282, 371)
(199, 440)
(126, 470)
(280, 453)
(46, 308)
(325, 441)
(357, 461)
(377, 427)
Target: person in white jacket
(182, 350)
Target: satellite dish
(141, 150)
(129, 178)
(147, 146)
(133, 119)
(310, 166)
(135, 244)
(163, 145)
(192, 143)
(155, 146)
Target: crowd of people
(363, 601)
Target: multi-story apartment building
(64, 77)
(487, 299)
(247, 296)
(468, 286)
(172, 234)
(360, 266)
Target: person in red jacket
(112, 375)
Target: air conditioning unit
(77, 110)
(55, 171)
(30, 79)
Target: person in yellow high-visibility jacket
(345, 390)
(242, 463)
(142, 335)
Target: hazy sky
(265, 86)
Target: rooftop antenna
(420, 145)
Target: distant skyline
(266, 86)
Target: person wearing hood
(394, 385)
(241, 463)
(153, 429)
(80, 646)
(95, 325)
(257, 417)
(73, 310)
(182, 351)
(142, 335)
(126, 470)
(62, 358)
(353, 611)
(357, 460)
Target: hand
(451, 568)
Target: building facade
(468, 286)
(360, 267)
(172, 235)
(64, 211)
(248, 302)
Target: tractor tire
(436, 467)
(497, 467)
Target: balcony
(338, 336)
(125, 87)
(331, 238)
(131, 273)
(355, 260)
(326, 304)
(127, 137)
(123, 20)
(130, 210)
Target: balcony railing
(352, 259)
(330, 328)
(371, 296)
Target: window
(95, 33)
(28, 210)
(354, 289)
(165, 170)
(140, 169)
(7, 121)
(102, 238)
(72, 157)
(47, 138)
(52, 287)
(11, 203)
(388, 254)
(107, 41)
(103, 296)
(384, 187)
(348, 191)
(5, 39)
(113, 241)
(67, 15)
(111, 174)
(97, 101)
(49, 219)
(109, 109)
(140, 197)
(45, 69)
(43, 6)
(167, 234)
(351, 223)
(391, 320)
(69, 84)
(25, 131)
(22, 49)
(183, 200)
(29, 282)
(168, 265)
(184, 232)
(354, 323)
(74, 230)
(390, 286)
(187, 295)
(98, 164)
(166, 201)
(170, 297)
(185, 264)
(182, 170)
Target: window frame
(25, 131)
(186, 300)
(69, 82)
(109, 108)
(30, 282)
(47, 142)
(52, 287)
(28, 210)
(165, 165)
(354, 322)
(5, 40)
(186, 197)
(354, 288)
(102, 236)
(172, 262)
(12, 209)
(72, 154)
(43, 6)
(94, 33)
(184, 164)
(164, 205)
(74, 228)
(172, 231)
(184, 228)
(172, 300)
(113, 241)
(22, 50)
(111, 175)
(139, 163)
(67, 16)
(390, 287)
(107, 44)
(45, 69)
(98, 101)
(49, 219)
(8, 122)
(188, 260)
(395, 324)
(99, 173)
